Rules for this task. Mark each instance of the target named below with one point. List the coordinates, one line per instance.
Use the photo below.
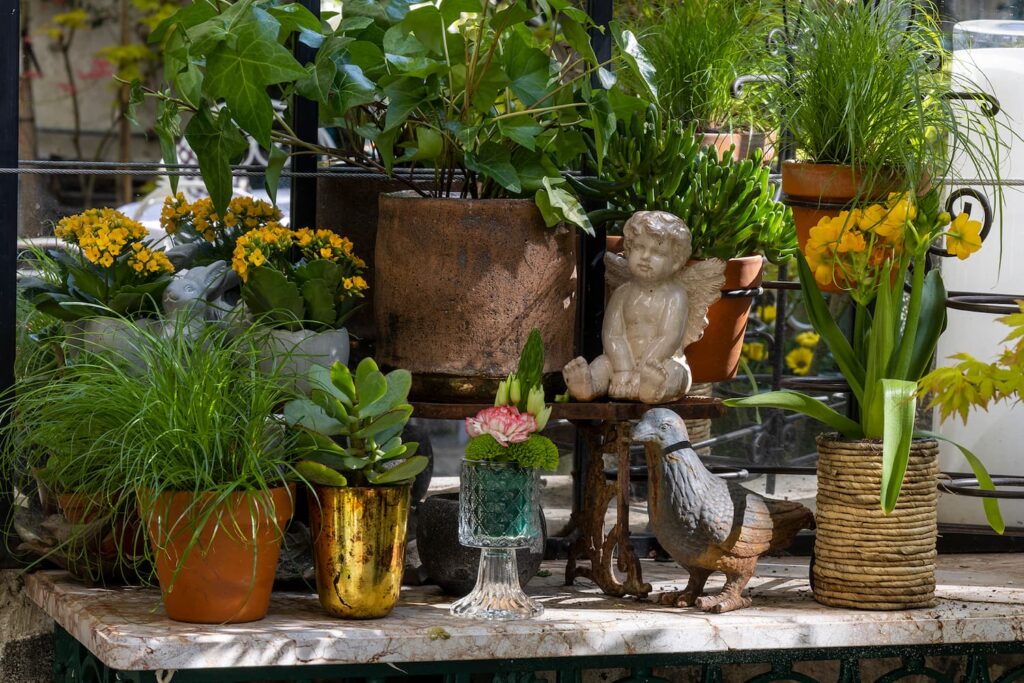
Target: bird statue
(705, 523)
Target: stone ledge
(981, 600)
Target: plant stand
(606, 428)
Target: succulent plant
(350, 427)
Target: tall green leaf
(217, 142)
(932, 322)
(801, 403)
(991, 505)
(899, 403)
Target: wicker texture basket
(864, 558)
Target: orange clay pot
(715, 357)
(745, 143)
(228, 574)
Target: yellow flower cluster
(101, 234)
(808, 339)
(257, 246)
(145, 260)
(199, 219)
(754, 351)
(325, 244)
(861, 246)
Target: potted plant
(875, 547)
(301, 285)
(109, 273)
(654, 163)
(213, 235)
(869, 110)
(349, 432)
(698, 48)
(498, 488)
(468, 91)
(192, 441)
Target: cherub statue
(658, 310)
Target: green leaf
(931, 323)
(319, 377)
(494, 161)
(184, 17)
(330, 404)
(388, 420)
(801, 403)
(404, 95)
(490, 82)
(634, 56)
(522, 130)
(401, 472)
(136, 96)
(319, 300)
(528, 70)
(240, 74)
(400, 450)
(275, 164)
(315, 473)
(295, 17)
(269, 293)
(578, 39)
(342, 379)
(168, 131)
(371, 387)
(216, 142)
(354, 88)
(991, 505)
(337, 462)
(397, 393)
(603, 120)
(820, 318)
(317, 86)
(900, 401)
(530, 371)
(558, 205)
(427, 24)
(302, 412)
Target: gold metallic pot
(359, 548)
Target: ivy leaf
(404, 95)
(217, 142)
(578, 39)
(528, 70)
(185, 18)
(240, 74)
(321, 74)
(354, 88)
(558, 205)
(494, 161)
(275, 164)
(136, 96)
(294, 17)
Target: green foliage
(536, 452)
(460, 86)
(349, 428)
(82, 289)
(311, 295)
(698, 48)
(655, 164)
(869, 90)
(171, 413)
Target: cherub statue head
(656, 244)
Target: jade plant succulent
(350, 427)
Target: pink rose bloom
(505, 423)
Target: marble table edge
(549, 637)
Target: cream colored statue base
(658, 310)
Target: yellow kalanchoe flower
(808, 339)
(963, 237)
(799, 360)
(754, 351)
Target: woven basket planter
(864, 558)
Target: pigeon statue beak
(644, 431)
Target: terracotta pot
(79, 508)
(460, 284)
(359, 548)
(228, 573)
(864, 558)
(715, 357)
(347, 204)
(815, 191)
(745, 143)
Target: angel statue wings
(658, 309)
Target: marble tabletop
(981, 600)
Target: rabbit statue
(196, 296)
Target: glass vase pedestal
(498, 513)
(497, 595)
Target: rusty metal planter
(459, 285)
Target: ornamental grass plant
(869, 88)
(176, 415)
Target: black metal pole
(10, 53)
(590, 263)
(305, 122)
